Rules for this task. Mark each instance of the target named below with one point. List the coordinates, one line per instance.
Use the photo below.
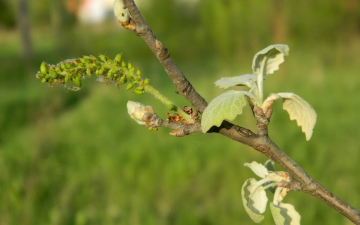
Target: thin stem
(260, 82)
(261, 143)
(151, 90)
(184, 87)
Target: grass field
(77, 158)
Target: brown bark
(260, 141)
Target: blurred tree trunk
(279, 22)
(24, 28)
(62, 24)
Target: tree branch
(183, 86)
(260, 142)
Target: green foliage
(7, 15)
(265, 62)
(106, 70)
(76, 158)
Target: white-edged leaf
(301, 111)
(249, 204)
(285, 214)
(224, 107)
(267, 61)
(226, 82)
(258, 169)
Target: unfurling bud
(121, 12)
(139, 91)
(103, 58)
(172, 107)
(146, 81)
(118, 58)
(43, 68)
(122, 79)
(139, 112)
(129, 85)
(76, 81)
(66, 79)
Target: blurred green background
(77, 157)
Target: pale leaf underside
(301, 111)
(285, 214)
(226, 82)
(224, 107)
(269, 59)
(246, 190)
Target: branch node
(179, 133)
(262, 119)
(161, 51)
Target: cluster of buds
(106, 70)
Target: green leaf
(267, 61)
(285, 214)
(224, 107)
(301, 111)
(253, 209)
(246, 79)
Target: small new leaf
(301, 111)
(224, 107)
(285, 214)
(253, 209)
(267, 61)
(226, 82)
(258, 169)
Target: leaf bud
(88, 71)
(121, 12)
(62, 65)
(109, 74)
(139, 90)
(122, 79)
(123, 64)
(110, 61)
(66, 79)
(118, 58)
(101, 71)
(43, 68)
(171, 107)
(137, 111)
(76, 81)
(129, 85)
(57, 69)
(40, 75)
(103, 58)
(146, 81)
(138, 72)
(87, 59)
